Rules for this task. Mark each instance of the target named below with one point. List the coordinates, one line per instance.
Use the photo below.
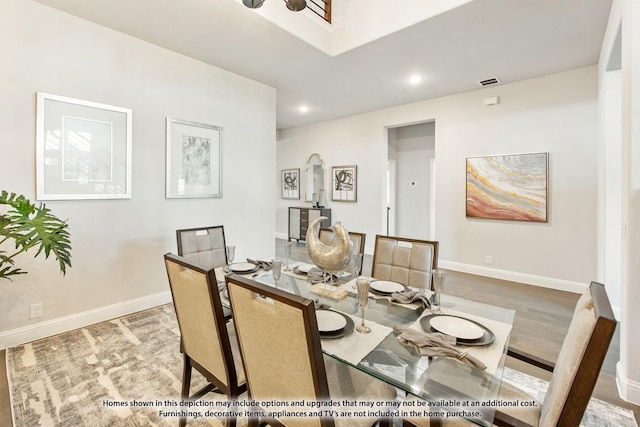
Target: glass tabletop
(444, 382)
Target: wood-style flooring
(542, 319)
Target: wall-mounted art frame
(291, 184)
(194, 160)
(344, 183)
(511, 187)
(83, 149)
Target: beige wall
(118, 244)
(555, 114)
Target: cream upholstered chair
(406, 261)
(574, 373)
(282, 357)
(205, 245)
(358, 239)
(207, 341)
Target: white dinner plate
(241, 267)
(456, 327)
(330, 321)
(386, 286)
(305, 268)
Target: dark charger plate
(347, 330)
(487, 336)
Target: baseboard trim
(513, 276)
(629, 390)
(63, 324)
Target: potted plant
(30, 226)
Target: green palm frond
(32, 226)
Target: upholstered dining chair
(205, 245)
(358, 239)
(207, 341)
(282, 355)
(406, 261)
(574, 373)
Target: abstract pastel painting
(512, 187)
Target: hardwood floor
(542, 319)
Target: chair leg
(186, 385)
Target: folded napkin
(435, 344)
(408, 296)
(265, 265)
(315, 275)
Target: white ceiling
(511, 39)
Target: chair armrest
(531, 359)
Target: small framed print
(194, 160)
(344, 186)
(291, 184)
(83, 149)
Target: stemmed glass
(276, 266)
(231, 251)
(362, 284)
(287, 253)
(357, 264)
(438, 282)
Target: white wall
(555, 114)
(415, 149)
(118, 244)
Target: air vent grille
(490, 81)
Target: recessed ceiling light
(303, 109)
(415, 79)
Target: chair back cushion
(205, 245)
(203, 331)
(279, 342)
(580, 359)
(409, 262)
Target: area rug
(86, 376)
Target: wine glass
(438, 282)
(287, 253)
(231, 251)
(362, 284)
(357, 264)
(276, 266)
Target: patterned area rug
(73, 379)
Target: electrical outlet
(36, 311)
(488, 259)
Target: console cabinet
(300, 218)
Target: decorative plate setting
(242, 267)
(303, 268)
(459, 326)
(333, 324)
(386, 287)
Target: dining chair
(574, 374)
(358, 239)
(406, 261)
(283, 360)
(208, 343)
(206, 245)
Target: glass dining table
(433, 385)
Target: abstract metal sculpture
(336, 256)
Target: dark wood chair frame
(587, 374)
(182, 230)
(434, 261)
(307, 307)
(232, 390)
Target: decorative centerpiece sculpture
(336, 256)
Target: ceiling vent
(490, 81)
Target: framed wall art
(344, 186)
(511, 187)
(194, 160)
(291, 184)
(83, 149)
